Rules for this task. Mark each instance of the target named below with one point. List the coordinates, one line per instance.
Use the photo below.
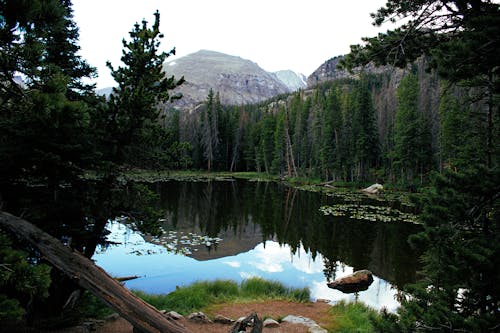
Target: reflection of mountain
(244, 214)
(233, 243)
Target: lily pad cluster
(369, 213)
(180, 242)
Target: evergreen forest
(426, 122)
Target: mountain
(238, 81)
(294, 81)
(328, 71)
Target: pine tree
(365, 131)
(412, 151)
(45, 127)
(210, 130)
(279, 156)
(461, 38)
(461, 210)
(133, 106)
(461, 235)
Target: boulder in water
(357, 281)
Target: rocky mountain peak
(238, 81)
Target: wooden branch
(83, 271)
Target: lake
(239, 229)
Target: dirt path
(276, 310)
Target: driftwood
(250, 321)
(126, 278)
(83, 271)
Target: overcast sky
(276, 34)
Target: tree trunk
(83, 271)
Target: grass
(201, 295)
(207, 295)
(352, 318)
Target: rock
(199, 317)
(316, 329)
(271, 323)
(373, 189)
(322, 300)
(311, 324)
(173, 315)
(223, 320)
(299, 320)
(357, 281)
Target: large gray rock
(355, 282)
(311, 324)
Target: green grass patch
(201, 295)
(257, 288)
(352, 318)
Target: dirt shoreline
(277, 310)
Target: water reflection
(265, 230)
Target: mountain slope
(237, 80)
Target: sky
(298, 35)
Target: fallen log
(144, 317)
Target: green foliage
(132, 110)
(461, 242)
(20, 281)
(53, 129)
(352, 317)
(460, 133)
(92, 307)
(451, 31)
(412, 142)
(459, 37)
(364, 131)
(210, 138)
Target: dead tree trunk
(83, 271)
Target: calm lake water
(239, 229)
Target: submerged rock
(357, 281)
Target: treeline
(340, 130)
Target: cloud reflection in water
(161, 271)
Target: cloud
(235, 264)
